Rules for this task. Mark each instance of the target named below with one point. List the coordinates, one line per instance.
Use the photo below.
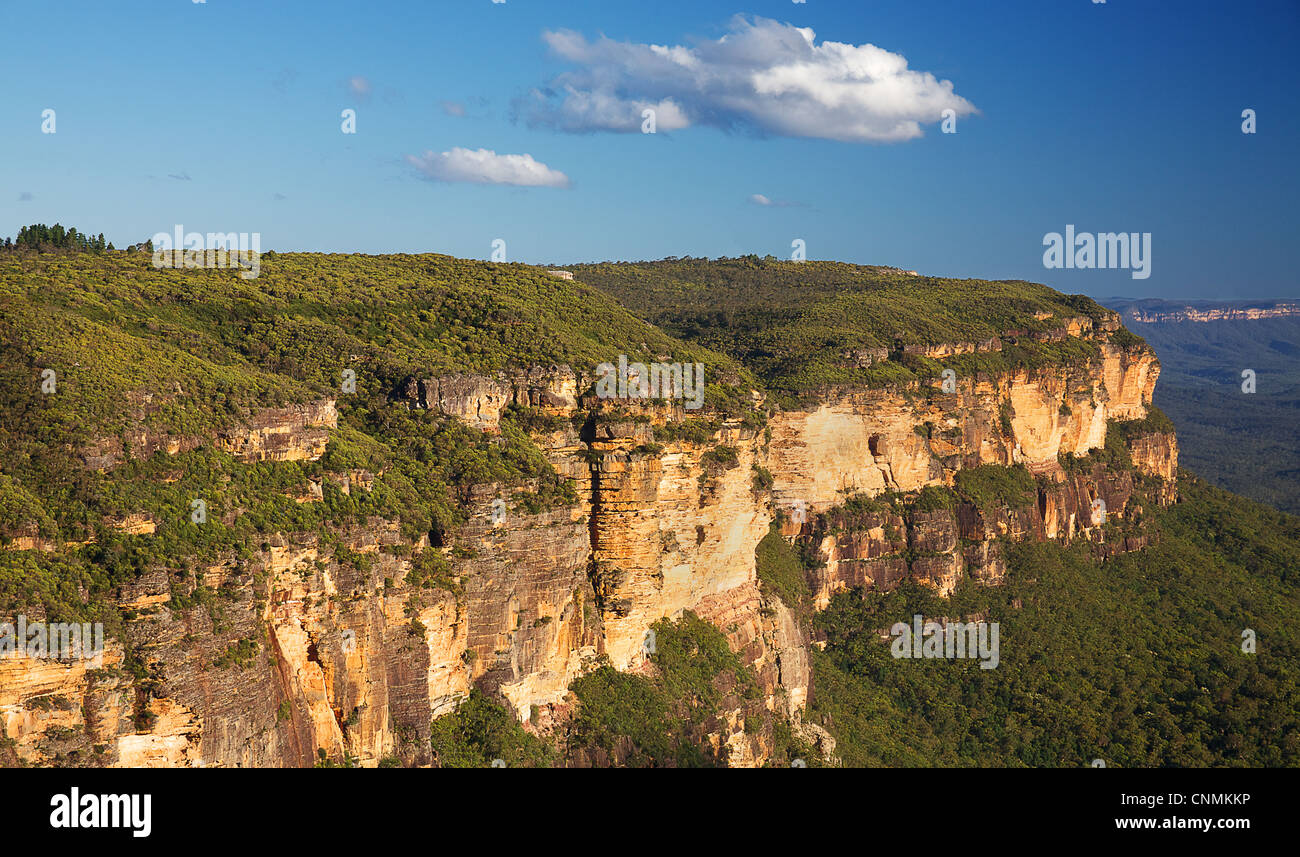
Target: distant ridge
(1156, 311)
(1241, 441)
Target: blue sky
(225, 116)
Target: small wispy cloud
(278, 196)
(484, 166)
(359, 87)
(25, 196)
(768, 202)
(180, 177)
(453, 108)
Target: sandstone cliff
(319, 644)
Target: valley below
(1231, 382)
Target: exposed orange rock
(357, 663)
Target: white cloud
(604, 111)
(484, 166)
(359, 86)
(763, 76)
(453, 108)
(767, 202)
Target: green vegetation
(861, 504)
(209, 345)
(238, 654)
(1125, 338)
(781, 573)
(42, 238)
(934, 498)
(1137, 661)
(720, 458)
(1155, 422)
(481, 731)
(323, 760)
(992, 486)
(793, 323)
(639, 721)
(1114, 455)
(429, 568)
(694, 430)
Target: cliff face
(866, 441)
(878, 549)
(531, 623)
(668, 529)
(295, 433)
(1156, 454)
(308, 649)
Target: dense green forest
(792, 322)
(210, 345)
(40, 237)
(1137, 661)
